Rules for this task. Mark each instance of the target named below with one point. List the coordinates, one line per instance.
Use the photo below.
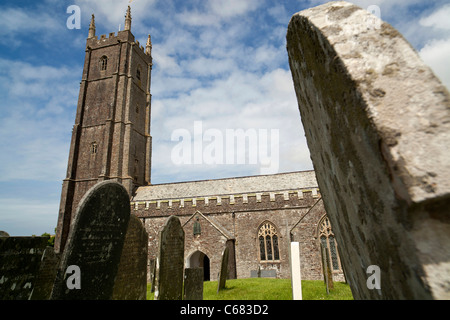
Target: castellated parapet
(112, 39)
(226, 203)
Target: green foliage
(51, 239)
(270, 289)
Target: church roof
(252, 184)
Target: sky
(219, 66)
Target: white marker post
(296, 278)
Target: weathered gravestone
(377, 123)
(131, 279)
(20, 259)
(223, 274)
(326, 269)
(91, 258)
(170, 261)
(46, 276)
(193, 284)
(152, 268)
(271, 273)
(4, 233)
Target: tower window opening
(136, 169)
(103, 63)
(138, 73)
(94, 147)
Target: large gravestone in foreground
(377, 123)
(170, 261)
(95, 244)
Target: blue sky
(223, 63)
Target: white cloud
(241, 100)
(436, 54)
(215, 12)
(17, 20)
(438, 19)
(436, 51)
(34, 144)
(231, 8)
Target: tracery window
(103, 63)
(328, 240)
(268, 242)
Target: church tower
(111, 136)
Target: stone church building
(256, 216)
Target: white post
(296, 278)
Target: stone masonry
(252, 216)
(377, 123)
(232, 215)
(111, 136)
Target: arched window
(328, 241)
(268, 242)
(103, 63)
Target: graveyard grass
(270, 289)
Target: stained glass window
(262, 248)
(276, 254)
(268, 242)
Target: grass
(270, 289)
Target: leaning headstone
(131, 279)
(152, 268)
(4, 233)
(193, 284)
(223, 274)
(377, 123)
(296, 278)
(20, 259)
(91, 258)
(170, 261)
(326, 269)
(46, 276)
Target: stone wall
(230, 218)
(377, 123)
(305, 231)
